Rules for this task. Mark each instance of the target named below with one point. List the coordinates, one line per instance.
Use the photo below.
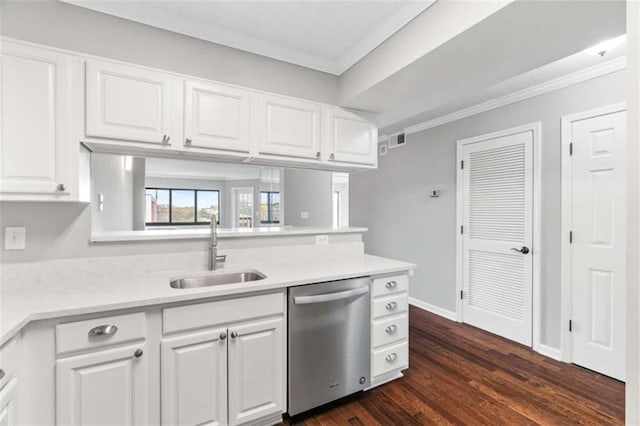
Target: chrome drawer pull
(391, 329)
(391, 357)
(103, 330)
(1, 374)
(138, 353)
(391, 284)
(391, 306)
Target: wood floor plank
(461, 375)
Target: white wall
(62, 25)
(307, 191)
(405, 223)
(633, 216)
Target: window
(269, 207)
(170, 206)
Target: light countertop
(38, 299)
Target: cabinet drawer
(390, 305)
(389, 330)
(98, 332)
(210, 314)
(390, 285)
(8, 361)
(389, 359)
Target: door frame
(536, 129)
(566, 294)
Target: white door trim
(536, 129)
(566, 191)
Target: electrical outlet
(304, 215)
(14, 238)
(322, 239)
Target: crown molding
(567, 80)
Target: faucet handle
(221, 258)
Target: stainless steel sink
(206, 280)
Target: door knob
(523, 250)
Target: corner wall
(411, 226)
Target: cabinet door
(105, 387)
(351, 138)
(216, 116)
(194, 379)
(256, 370)
(128, 103)
(35, 126)
(289, 127)
(7, 404)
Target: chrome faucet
(214, 258)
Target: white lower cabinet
(194, 379)
(103, 387)
(256, 370)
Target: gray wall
(307, 191)
(62, 25)
(404, 223)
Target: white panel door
(35, 121)
(8, 404)
(498, 221)
(598, 250)
(256, 370)
(128, 103)
(216, 116)
(351, 138)
(289, 127)
(107, 387)
(194, 379)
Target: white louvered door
(497, 220)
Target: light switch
(304, 215)
(14, 238)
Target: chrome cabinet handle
(332, 156)
(1, 374)
(391, 284)
(391, 306)
(391, 357)
(61, 187)
(234, 334)
(103, 330)
(318, 154)
(138, 353)
(391, 329)
(188, 141)
(165, 139)
(223, 335)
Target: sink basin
(217, 279)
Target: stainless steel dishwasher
(329, 342)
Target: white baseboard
(550, 352)
(445, 313)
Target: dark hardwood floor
(462, 375)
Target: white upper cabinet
(256, 370)
(128, 103)
(289, 127)
(35, 122)
(216, 116)
(350, 138)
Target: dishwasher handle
(330, 297)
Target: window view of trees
(269, 207)
(169, 206)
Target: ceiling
(521, 37)
(328, 36)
